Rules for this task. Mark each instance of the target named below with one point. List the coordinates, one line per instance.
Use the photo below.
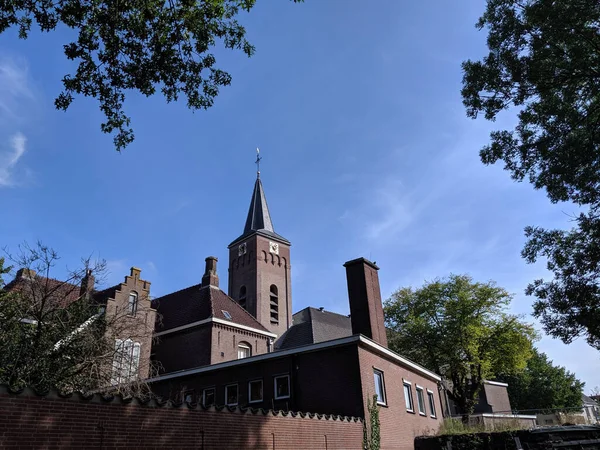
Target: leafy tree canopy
(542, 385)
(460, 329)
(544, 59)
(140, 45)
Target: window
(379, 386)
(242, 297)
(126, 361)
(226, 314)
(408, 396)
(132, 304)
(188, 396)
(274, 304)
(431, 403)
(231, 395)
(282, 387)
(244, 350)
(421, 400)
(255, 391)
(208, 397)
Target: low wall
(500, 422)
(31, 421)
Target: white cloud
(14, 88)
(9, 159)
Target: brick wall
(29, 421)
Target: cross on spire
(258, 158)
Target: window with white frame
(208, 397)
(231, 395)
(282, 387)
(132, 304)
(379, 386)
(408, 396)
(255, 391)
(421, 400)
(244, 350)
(126, 361)
(431, 403)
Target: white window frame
(248, 347)
(421, 400)
(238, 394)
(214, 389)
(275, 387)
(379, 372)
(131, 311)
(408, 384)
(262, 391)
(126, 361)
(431, 398)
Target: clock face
(242, 249)
(274, 247)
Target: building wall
(398, 426)
(493, 399)
(225, 341)
(32, 422)
(139, 327)
(183, 349)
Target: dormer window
(132, 304)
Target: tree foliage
(542, 385)
(54, 334)
(461, 330)
(544, 59)
(139, 45)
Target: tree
(461, 330)
(59, 334)
(542, 385)
(137, 45)
(544, 60)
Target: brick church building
(245, 348)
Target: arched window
(242, 297)
(274, 304)
(244, 350)
(132, 304)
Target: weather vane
(258, 158)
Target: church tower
(259, 268)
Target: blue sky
(367, 152)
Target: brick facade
(33, 422)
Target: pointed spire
(258, 214)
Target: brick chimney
(366, 310)
(25, 274)
(210, 277)
(87, 284)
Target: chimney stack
(87, 284)
(25, 274)
(366, 310)
(210, 277)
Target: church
(245, 348)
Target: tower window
(132, 304)
(274, 304)
(242, 297)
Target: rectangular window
(255, 391)
(231, 395)
(282, 387)
(379, 386)
(126, 361)
(189, 396)
(208, 397)
(244, 351)
(408, 397)
(421, 401)
(431, 403)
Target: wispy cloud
(9, 159)
(14, 88)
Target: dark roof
(197, 303)
(312, 325)
(588, 400)
(259, 218)
(60, 291)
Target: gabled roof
(311, 326)
(61, 292)
(588, 400)
(197, 303)
(259, 218)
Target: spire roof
(259, 218)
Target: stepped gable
(197, 303)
